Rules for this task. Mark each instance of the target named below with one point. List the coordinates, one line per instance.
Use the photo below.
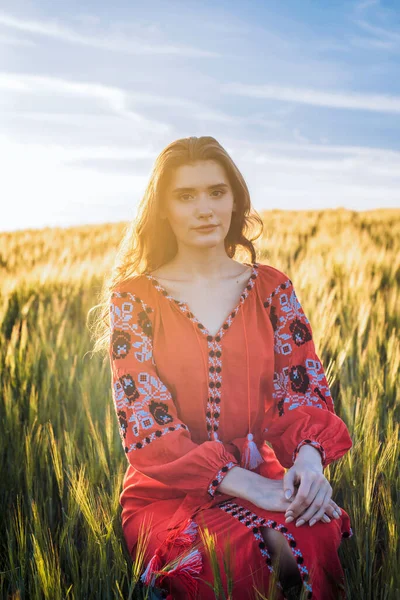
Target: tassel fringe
(155, 563)
(250, 457)
(186, 567)
(183, 536)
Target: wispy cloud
(119, 101)
(379, 37)
(116, 99)
(55, 30)
(349, 100)
(366, 4)
(393, 36)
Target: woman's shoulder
(271, 277)
(137, 287)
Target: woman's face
(199, 194)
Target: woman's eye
(184, 196)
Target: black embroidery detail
(281, 411)
(123, 423)
(273, 318)
(300, 332)
(318, 391)
(299, 378)
(145, 322)
(129, 387)
(159, 410)
(121, 343)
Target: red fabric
(169, 403)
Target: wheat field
(62, 461)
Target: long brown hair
(149, 242)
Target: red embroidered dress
(186, 402)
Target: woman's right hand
(269, 495)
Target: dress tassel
(186, 569)
(183, 536)
(250, 456)
(155, 563)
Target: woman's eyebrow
(190, 189)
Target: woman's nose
(203, 207)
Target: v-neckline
(185, 308)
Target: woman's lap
(238, 523)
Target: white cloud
(366, 4)
(114, 98)
(112, 42)
(349, 100)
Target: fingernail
(312, 522)
(300, 522)
(327, 519)
(288, 493)
(336, 514)
(289, 520)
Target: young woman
(212, 360)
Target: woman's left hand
(314, 491)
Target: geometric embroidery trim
(253, 522)
(212, 488)
(316, 445)
(185, 309)
(214, 347)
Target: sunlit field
(62, 461)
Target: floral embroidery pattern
(294, 384)
(254, 523)
(212, 488)
(124, 328)
(143, 402)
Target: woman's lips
(205, 228)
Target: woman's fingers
(303, 503)
(327, 509)
(305, 494)
(325, 518)
(317, 507)
(333, 510)
(320, 513)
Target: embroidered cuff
(316, 445)
(212, 488)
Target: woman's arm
(261, 491)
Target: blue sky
(304, 95)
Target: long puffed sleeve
(156, 442)
(303, 410)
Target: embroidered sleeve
(303, 410)
(156, 442)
